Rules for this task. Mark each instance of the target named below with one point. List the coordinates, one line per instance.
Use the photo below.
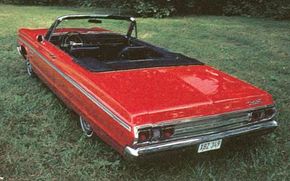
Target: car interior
(104, 51)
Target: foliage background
(160, 8)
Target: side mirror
(40, 38)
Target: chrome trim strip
(58, 20)
(80, 88)
(61, 18)
(117, 17)
(135, 152)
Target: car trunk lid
(156, 95)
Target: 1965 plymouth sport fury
(137, 97)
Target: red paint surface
(141, 96)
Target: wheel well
(23, 52)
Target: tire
(86, 128)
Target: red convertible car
(137, 97)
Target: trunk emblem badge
(255, 102)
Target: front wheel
(86, 128)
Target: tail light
(258, 115)
(269, 113)
(155, 134)
(144, 135)
(167, 132)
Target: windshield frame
(132, 27)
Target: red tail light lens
(256, 115)
(144, 135)
(263, 114)
(167, 132)
(269, 113)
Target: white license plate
(211, 145)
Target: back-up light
(155, 134)
(263, 114)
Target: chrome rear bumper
(259, 127)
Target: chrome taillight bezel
(155, 134)
(263, 114)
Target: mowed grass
(40, 137)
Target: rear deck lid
(158, 94)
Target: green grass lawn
(40, 137)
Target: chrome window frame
(132, 26)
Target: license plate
(211, 145)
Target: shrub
(151, 8)
(162, 8)
(266, 8)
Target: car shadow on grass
(241, 148)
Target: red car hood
(159, 94)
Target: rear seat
(88, 51)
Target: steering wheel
(71, 39)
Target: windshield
(119, 24)
(116, 26)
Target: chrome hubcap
(29, 68)
(86, 127)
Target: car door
(61, 74)
(41, 60)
